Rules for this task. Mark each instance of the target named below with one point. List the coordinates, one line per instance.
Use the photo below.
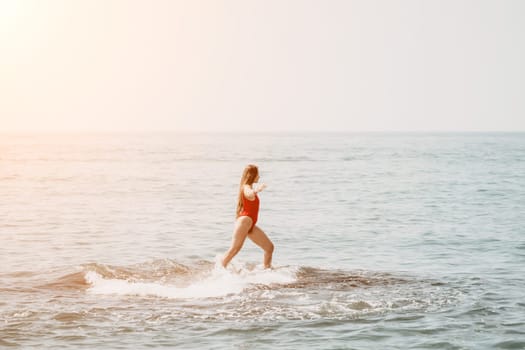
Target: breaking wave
(205, 281)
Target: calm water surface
(398, 241)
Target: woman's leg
(242, 225)
(261, 239)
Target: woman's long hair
(248, 177)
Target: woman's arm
(250, 192)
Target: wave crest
(170, 279)
(185, 282)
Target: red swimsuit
(250, 209)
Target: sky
(262, 66)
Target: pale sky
(267, 65)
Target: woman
(247, 212)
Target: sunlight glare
(9, 10)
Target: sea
(382, 241)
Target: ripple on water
(8, 343)
(510, 344)
(437, 345)
(68, 316)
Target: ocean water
(383, 241)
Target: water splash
(215, 282)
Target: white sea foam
(218, 282)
